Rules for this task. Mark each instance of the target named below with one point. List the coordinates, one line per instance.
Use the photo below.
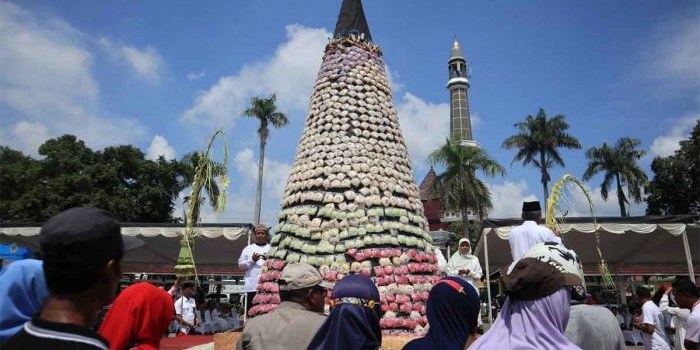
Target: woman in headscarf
(536, 312)
(138, 318)
(464, 264)
(353, 323)
(452, 310)
(23, 288)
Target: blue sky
(162, 75)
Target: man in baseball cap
(82, 249)
(295, 322)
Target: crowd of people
(55, 302)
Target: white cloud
(666, 145)
(146, 63)
(508, 198)
(241, 199)
(394, 80)
(160, 147)
(275, 173)
(425, 126)
(191, 76)
(30, 134)
(575, 203)
(674, 56)
(290, 73)
(47, 85)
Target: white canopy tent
(630, 246)
(216, 246)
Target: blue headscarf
(452, 310)
(353, 324)
(23, 288)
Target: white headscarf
(469, 252)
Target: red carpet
(184, 342)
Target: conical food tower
(351, 204)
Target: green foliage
(265, 111)
(676, 182)
(118, 179)
(537, 141)
(619, 165)
(458, 185)
(456, 229)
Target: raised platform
(185, 342)
(227, 341)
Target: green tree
(21, 197)
(537, 141)
(458, 185)
(65, 172)
(118, 179)
(676, 182)
(456, 229)
(618, 164)
(190, 163)
(265, 111)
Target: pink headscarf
(530, 325)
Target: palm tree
(458, 185)
(537, 141)
(265, 110)
(204, 177)
(618, 164)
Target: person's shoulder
(24, 340)
(695, 315)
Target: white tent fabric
(230, 233)
(216, 247)
(629, 245)
(673, 229)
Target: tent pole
(245, 304)
(688, 259)
(488, 276)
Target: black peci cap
(531, 206)
(83, 238)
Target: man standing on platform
(525, 236)
(295, 322)
(186, 310)
(252, 260)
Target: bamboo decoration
(560, 198)
(205, 177)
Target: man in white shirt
(687, 296)
(186, 309)
(252, 260)
(651, 323)
(525, 236)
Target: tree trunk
(544, 182)
(465, 219)
(258, 191)
(620, 197)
